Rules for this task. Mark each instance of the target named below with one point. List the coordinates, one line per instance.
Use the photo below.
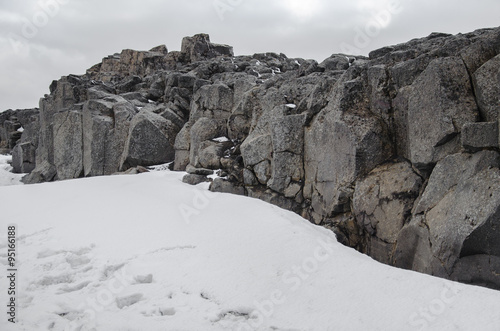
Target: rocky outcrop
(398, 152)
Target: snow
(221, 139)
(291, 105)
(21, 129)
(147, 252)
(7, 178)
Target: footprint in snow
(129, 300)
(164, 311)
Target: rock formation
(397, 152)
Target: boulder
(382, 204)
(23, 158)
(182, 147)
(200, 135)
(105, 131)
(194, 179)
(455, 217)
(150, 141)
(336, 152)
(68, 144)
(482, 135)
(224, 186)
(440, 102)
(487, 88)
(212, 101)
(199, 48)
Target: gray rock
(286, 168)
(199, 48)
(337, 151)
(477, 136)
(413, 251)
(335, 62)
(224, 186)
(465, 222)
(194, 179)
(440, 102)
(249, 178)
(198, 171)
(287, 134)
(256, 149)
(182, 146)
(210, 153)
(212, 101)
(105, 131)
(479, 270)
(23, 158)
(382, 202)
(455, 217)
(262, 171)
(487, 88)
(200, 135)
(150, 141)
(68, 144)
(451, 171)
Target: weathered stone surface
(263, 171)
(477, 136)
(23, 158)
(200, 135)
(199, 171)
(194, 179)
(256, 149)
(456, 217)
(212, 101)
(487, 88)
(451, 171)
(382, 202)
(413, 250)
(210, 153)
(439, 104)
(335, 62)
(466, 217)
(105, 130)
(479, 270)
(199, 47)
(182, 146)
(224, 186)
(336, 153)
(68, 144)
(150, 141)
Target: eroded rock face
(150, 141)
(458, 214)
(382, 205)
(397, 153)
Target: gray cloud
(79, 33)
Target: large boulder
(199, 48)
(68, 144)
(105, 130)
(455, 218)
(150, 141)
(212, 101)
(440, 102)
(487, 88)
(343, 142)
(382, 204)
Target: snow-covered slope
(6, 176)
(147, 252)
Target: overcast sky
(42, 40)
